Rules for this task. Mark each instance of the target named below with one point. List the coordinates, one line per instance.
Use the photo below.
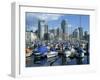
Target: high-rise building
(42, 29)
(76, 34)
(86, 36)
(30, 37)
(54, 31)
(64, 27)
(46, 34)
(53, 34)
(80, 33)
(59, 34)
(46, 28)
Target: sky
(54, 20)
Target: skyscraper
(64, 27)
(76, 34)
(42, 29)
(86, 36)
(80, 33)
(46, 34)
(53, 34)
(46, 28)
(59, 34)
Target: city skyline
(54, 21)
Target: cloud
(69, 25)
(44, 16)
(31, 28)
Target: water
(54, 61)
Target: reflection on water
(55, 61)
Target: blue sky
(54, 20)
